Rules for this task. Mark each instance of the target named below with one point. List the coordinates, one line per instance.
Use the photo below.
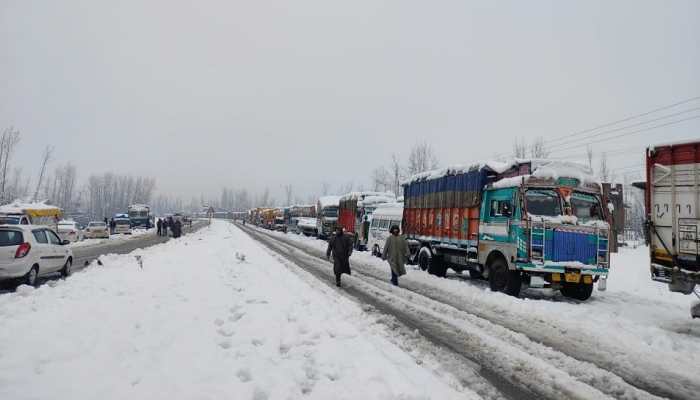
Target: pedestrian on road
(341, 247)
(165, 227)
(396, 252)
(159, 226)
(177, 229)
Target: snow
(676, 143)
(211, 315)
(369, 197)
(139, 207)
(136, 234)
(19, 207)
(328, 201)
(515, 181)
(388, 210)
(636, 326)
(306, 222)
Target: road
(517, 362)
(84, 255)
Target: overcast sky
(201, 94)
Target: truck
(540, 223)
(139, 215)
(326, 215)
(25, 213)
(355, 213)
(672, 198)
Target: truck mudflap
(678, 279)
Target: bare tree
(381, 179)
(325, 188)
(346, 188)
(519, 148)
(8, 141)
(538, 149)
(288, 193)
(589, 156)
(44, 162)
(421, 159)
(603, 170)
(396, 175)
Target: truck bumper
(678, 279)
(530, 267)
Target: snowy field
(200, 322)
(135, 233)
(635, 326)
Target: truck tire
(502, 279)
(578, 291)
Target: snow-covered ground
(211, 315)
(135, 233)
(635, 326)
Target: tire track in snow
(533, 367)
(639, 372)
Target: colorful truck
(355, 213)
(326, 215)
(541, 223)
(672, 198)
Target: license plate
(572, 277)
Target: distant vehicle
(18, 213)
(69, 230)
(28, 252)
(673, 218)
(140, 215)
(306, 226)
(96, 230)
(383, 218)
(355, 212)
(326, 215)
(535, 222)
(122, 225)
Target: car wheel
(32, 277)
(67, 268)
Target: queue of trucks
(527, 223)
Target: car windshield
(330, 212)
(97, 224)
(8, 220)
(543, 203)
(122, 222)
(586, 207)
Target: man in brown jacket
(341, 247)
(396, 252)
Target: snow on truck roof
(678, 143)
(370, 198)
(540, 168)
(389, 210)
(32, 209)
(328, 201)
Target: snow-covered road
(637, 332)
(200, 322)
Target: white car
(30, 251)
(69, 230)
(96, 229)
(122, 226)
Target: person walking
(159, 227)
(165, 227)
(396, 252)
(177, 228)
(341, 247)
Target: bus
(139, 215)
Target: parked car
(69, 230)
(96, 229)
(122, 225)
(30, 251)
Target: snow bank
(211, 315)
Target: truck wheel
(436, 266)
(577, 291)
(502, 279)
(376, 252)
(424, 257)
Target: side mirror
(65, 242)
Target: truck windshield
(9, 220)
(543, 203)
(330, 212)
(586, 207)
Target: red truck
(355, 213)
(672, 201)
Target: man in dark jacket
(165, 227)
(341, 247)
(177, 228)
(159, 226)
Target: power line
(634, 132)
(597, 134)
(625, 119)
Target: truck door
(497, 212)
